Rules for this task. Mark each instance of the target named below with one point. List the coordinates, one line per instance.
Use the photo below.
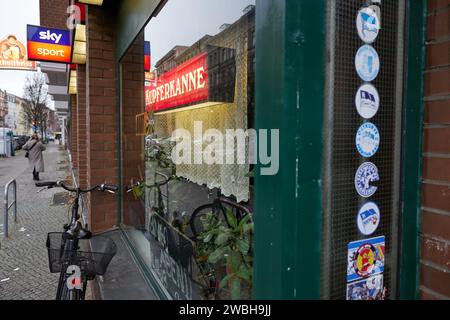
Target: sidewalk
(24, 272)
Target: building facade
(298, 66)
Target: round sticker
(367, 63)
(364, 260)
(368, 218)
(368, 25)
(367, 140)
(367, 101)
(366, 174)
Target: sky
(14, 16)
(183, 22)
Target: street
(24, 272)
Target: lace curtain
(231, 178)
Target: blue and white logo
(367, 140)
(367, 63)
(367, 101)
(368, 218)
(366, 175)
(368, 25)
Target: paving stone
(29, 253)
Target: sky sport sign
(48, 44)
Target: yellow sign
(13, 55)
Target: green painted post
(290, 64)
(413, 142)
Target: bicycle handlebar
(53, 184)
(157, 184)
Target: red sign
(185, 85)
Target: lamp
(79, 45)
(93, 2)
(73, 79)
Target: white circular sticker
(368, 218)
(367, 63)
(367, 174)
(367, 101)
(368, 25)
(367, 140)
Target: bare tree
(35, 111)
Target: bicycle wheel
(196, 218)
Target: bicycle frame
(74, 231)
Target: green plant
(229, 246)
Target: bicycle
(77, 267)
(217, 207)
(160, 208)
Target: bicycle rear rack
(8, 206)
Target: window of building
(187, 198)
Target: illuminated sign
(13, 55)
(48, 44)
(147, 56)
(206, 79)
(183, 85)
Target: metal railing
(8, 206)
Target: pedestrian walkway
(24, 272)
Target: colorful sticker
(367, 101)
(366, 174)
(367, 140)
(368, 25)
(365, 258)
(366, 289)
(368, 218)
(367, 63)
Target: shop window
(204, 81)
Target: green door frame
(412, 150)
(290, 97)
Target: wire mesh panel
(342, 201)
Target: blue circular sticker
(367, 140)
(367, 63)
(368, 218)
(366, 174)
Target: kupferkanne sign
(13, 55)
(206, 78)
(186, 84)
(48, 44)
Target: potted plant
(230, 246)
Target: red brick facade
(132, 144)
(53, 13)
(102, 116)
(435, 227)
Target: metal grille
(342, 202)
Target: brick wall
(132, 145)
(74, 131)
(54, 13)
(83, 128)
(435, 232)
(102, 116)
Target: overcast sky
(14, 17)
(183, 22)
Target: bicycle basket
(91, 263)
